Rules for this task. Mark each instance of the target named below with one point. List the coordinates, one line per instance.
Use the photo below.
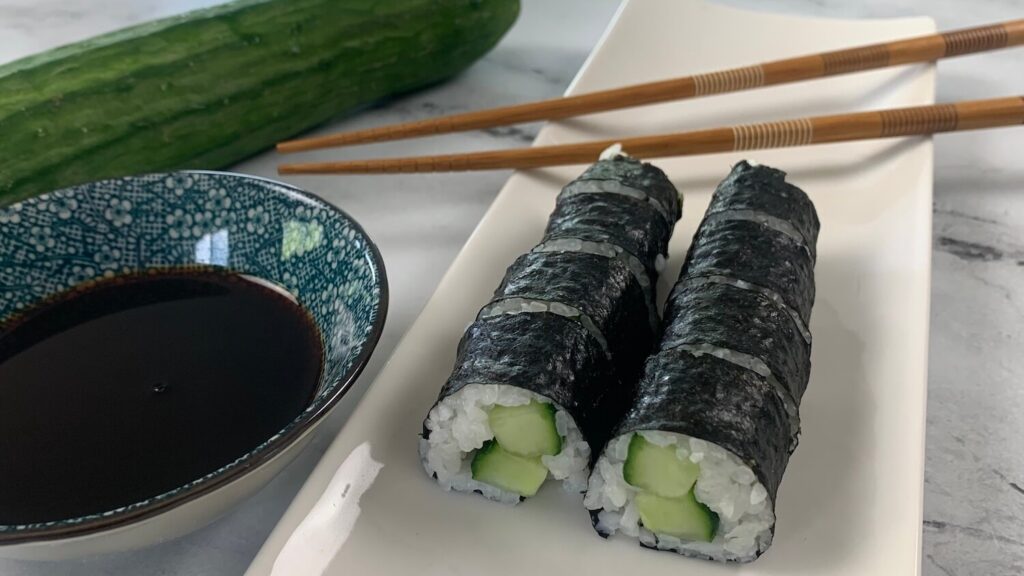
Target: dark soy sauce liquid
(139, 384)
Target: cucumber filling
(522, 424)
(498, 467)
(522, 434)
(684, 517)
(643, 487)
(665, 498)
(658, 469)
(526, 430)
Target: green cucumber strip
(684, 518)
(502, 469)
(526, 430)
(657, 469)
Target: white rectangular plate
(851, 499)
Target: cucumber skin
(210, 87)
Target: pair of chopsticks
(918, 120)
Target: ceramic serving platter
(851, 500)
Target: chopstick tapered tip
(291, 146)
(328, 141)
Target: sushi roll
(695, 464)
(548, 366)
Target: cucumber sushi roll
(694, 466)
(548, 366)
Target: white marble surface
(974, 503)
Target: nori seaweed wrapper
(633, 225)
(759, 230)
(746, 321)
(639, 175)
(764, 189)
(708, 398)
(545, 353)
(559, 357)
(602, 288)
(754, 253)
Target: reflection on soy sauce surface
(139, 384)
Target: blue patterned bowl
(57, 241)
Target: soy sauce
(136, 385)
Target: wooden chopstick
(920, 49)
(917, 120)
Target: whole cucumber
(210, 87)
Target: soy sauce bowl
(275, 233)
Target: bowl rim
(80, 526)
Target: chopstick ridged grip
(843, 61)
(731, 80)
(874, 56)
(773, 134)
(918, 120)
(942, 118)
(914, 121)
(976, 40)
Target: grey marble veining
(974, 481)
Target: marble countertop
(974, 480)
